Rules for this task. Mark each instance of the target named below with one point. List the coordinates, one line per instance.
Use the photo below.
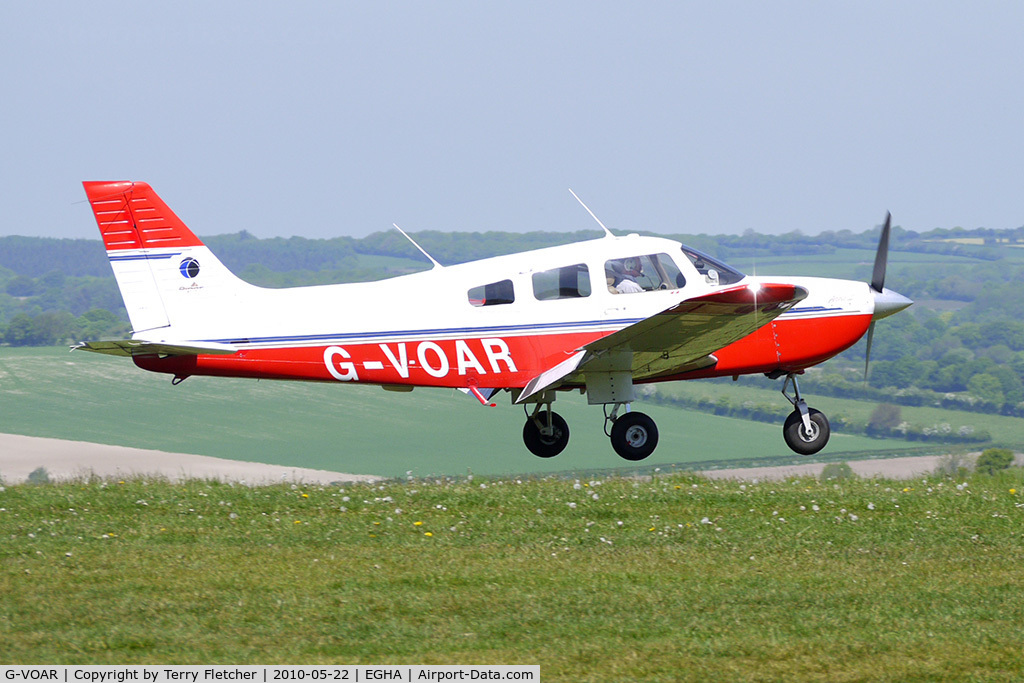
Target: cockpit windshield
(714, 271)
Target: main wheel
(634, 436)
(550, 445)
(799, 439)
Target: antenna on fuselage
(422, 250)
(607, 232)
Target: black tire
(546, 446)
(797, 437)
(634, 436)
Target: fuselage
(493, 323)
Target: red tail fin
(132, 216)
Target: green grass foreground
(672, 578)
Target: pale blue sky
(324, 119)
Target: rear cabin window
(643, 274)
(493, 294)
(568, 282)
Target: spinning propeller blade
(878, 281)
(867, 352)
(881, 257)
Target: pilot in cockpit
(623, 274)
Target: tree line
(37, 256)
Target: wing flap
(551, 376)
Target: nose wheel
(804, 440)
(806, 430)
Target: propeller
(878, 282)
(887, 301)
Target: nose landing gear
(806, 430)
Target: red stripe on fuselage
(789, 345)
(482, 361)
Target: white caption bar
(359, 673)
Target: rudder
(157, 260)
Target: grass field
(613, 579)
(361, 430)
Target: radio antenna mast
(422, 250)
(607, 232)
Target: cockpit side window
(492, 294)
(568, 282)
(643, 274)
(714, 271)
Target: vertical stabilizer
(165, 273)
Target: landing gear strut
(545, 433)
(634, 435)
(806, 430)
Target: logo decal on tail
(189, 268)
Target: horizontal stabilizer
(141, 347)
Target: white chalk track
(20, 455)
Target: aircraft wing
(140, 347)
(683, 337)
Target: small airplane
(598, 316)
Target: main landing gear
(545, 433)
(806, 430)
(634, 436)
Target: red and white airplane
(598, 316)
